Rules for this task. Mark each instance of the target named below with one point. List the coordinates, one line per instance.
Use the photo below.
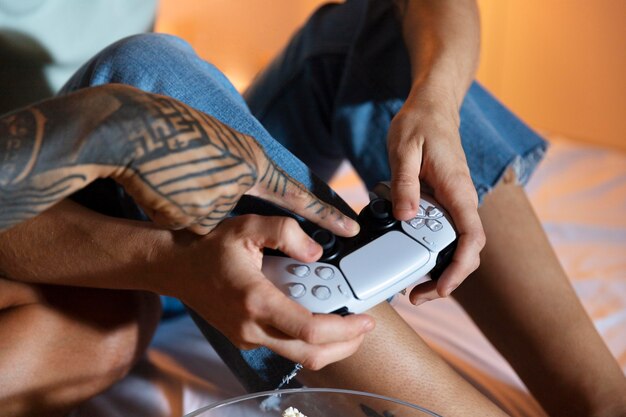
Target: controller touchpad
(382, 262)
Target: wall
(559, 64)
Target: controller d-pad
(433, 212)
(434, 225)
(416, 223)
(299, 270)
(324, 272)
(322, 292)
(296, 290)
(421, 212)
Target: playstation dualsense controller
(386, 257)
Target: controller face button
(322, 292)
(296, 290)
(299, 270)
(433, 212)
(416, 223)
(434, 225)
(324, 272)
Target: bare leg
(61, 345)
(522, 300)
(396, 362)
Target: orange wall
(559, 64)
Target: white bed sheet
(579, 193)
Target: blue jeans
(329, 96)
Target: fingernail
(313, 248)
(421, 300)
(368, 326)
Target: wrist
(165, 261)
(433, 100)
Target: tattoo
(176, 162)
(158, 148)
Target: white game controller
(386, 257)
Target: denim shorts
(329, 96)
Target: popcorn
(292, 412)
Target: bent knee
(140, 60)
(77, 342)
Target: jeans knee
(136, 60)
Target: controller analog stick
(324, 238)
(328, 242)
(379, 210)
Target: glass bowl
(313, 402)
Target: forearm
(71, 245)
(442, 38)
(53, 148)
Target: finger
(462, 206)
(284, 234)
(426, 291)
(315, 328)
(313, 357)
(278, 187)
(405, 161)
(270, 306)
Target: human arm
(442, 40)
(185, 168)
(71, 245)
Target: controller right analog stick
(379, 209)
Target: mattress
(579, 193)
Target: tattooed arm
(185, 168)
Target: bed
(579, 193)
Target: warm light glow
(559, 64)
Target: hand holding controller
(387, 256)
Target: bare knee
(63, 345)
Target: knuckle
(476, 264)
(404, 179)
(288, 226)
(309, 334)
(251, 306)
(296, 195)
(313, 361)
(480, 239)
(248, 334)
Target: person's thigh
(62, 345)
